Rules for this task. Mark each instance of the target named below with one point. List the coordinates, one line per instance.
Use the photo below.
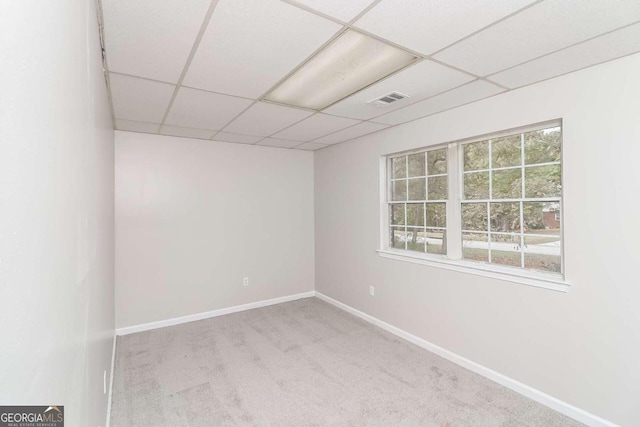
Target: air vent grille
(388, 98)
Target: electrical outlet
(245, 281)
(104, 382)
(372, 291)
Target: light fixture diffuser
(353, 61)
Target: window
(493, 202)
(418, 203)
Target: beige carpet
(303, 363)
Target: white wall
(582, 346)
(194, 217)
(56, 210)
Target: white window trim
(453, 260)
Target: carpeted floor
(302, 363)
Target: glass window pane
(437, 162)
(476, 185)
(417, 189)
(398, 237)
(507, 184)
(399, 167)
(399, 190)
(506, 152)
(476, 156)
(474, 216)
(542, 146)
(416, 165)
(551, 263)
(436, 241)
(506, 253)
(543, 253)
(415, 239)
(436, 215)
(506, 249)
(542, 218)
(542, 181)
(475, 247)
(437, 187)
(396, 216)
(415, 214)
(505, 217)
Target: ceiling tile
(137, 126)
(539, 30)
(264, 119)
(280, 143)
(186, 132)
(204, 110)
(352, 132)
(463, 95)
(310, 146)
(419, 81)
(339, 9)
(428, 26)
(139, 99)
(251, 44)
(610, 46)
(315, 126)
(149, 38)
(236, 137)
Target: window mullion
(454, 211)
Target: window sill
(540, 280)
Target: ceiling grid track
(490, 87)
(194, 48)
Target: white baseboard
(113, 364)
(530, 392)
(214, 313)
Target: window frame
(453, 259)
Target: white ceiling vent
(387, 99)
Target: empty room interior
(319, 213)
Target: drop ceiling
(204, 68)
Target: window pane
(437, 162)
(541, 218)
(551, 263)
(475, 247)
(415, 214)
(476, 185)
(506, 253)
(399, 190)
(542, 146)
(417, 189)
(436, 215)
(415, 239)
(505, 217)
(437, 187)
(436, 241)
(399, 167)
(398, 237)
(543, 253)
(542, 181)
(506, 152)
(507, 184)
(416, 165)
(474, 216)
(476, 156)
(396, 216)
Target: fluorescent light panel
(352, 62)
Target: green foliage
(540, 147)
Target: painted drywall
(582, 346)
(56, 214)
(194, 217)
